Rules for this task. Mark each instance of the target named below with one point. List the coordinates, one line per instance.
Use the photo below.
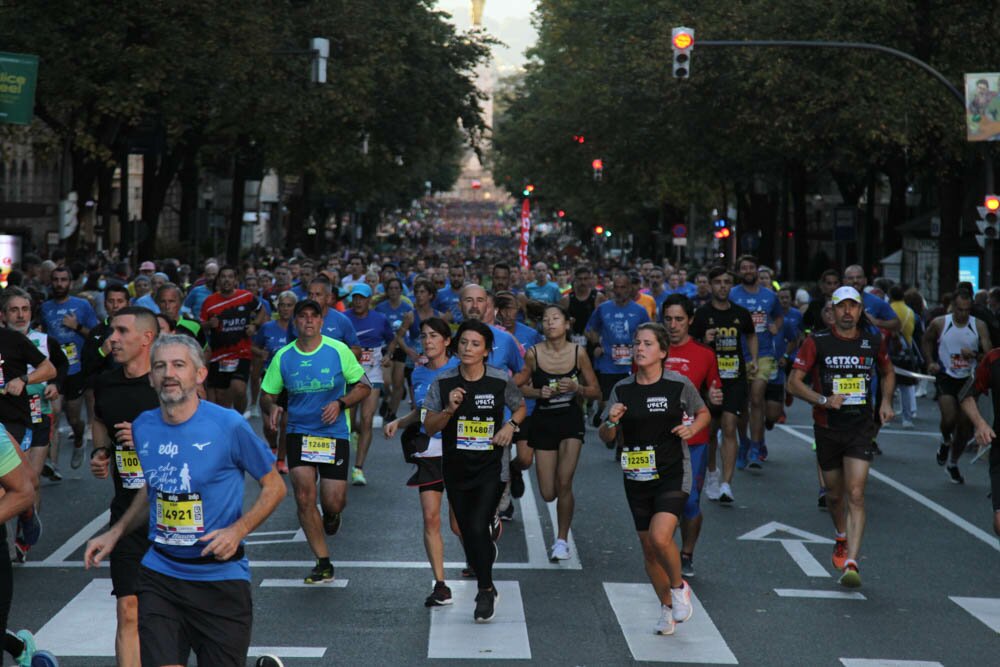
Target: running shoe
(496, 552)
(956, 476)
(485, 606)
(821, 500)
(320, 575)
(942, 454)
(680, 598)
(753, 460)
(358, 477)
(440, 596)
(712, 488)
(516, 481)
(687, 565)
(839, 556)
(851, 578)
(30, 648)
(468, 572)
(283, 467)
(268, 661)
(377, 421)
(51, 470)
(726, 496)
(763, 451)
(331, 523)
(507, 514)
(665, 626)
(560, 551)
(20, 552)
(742, 454)
(29, 529)
(496, 527)
(907, 424)
(77, 459)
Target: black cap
(307, 303)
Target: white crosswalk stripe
(454, 634)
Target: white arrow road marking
(795, 547)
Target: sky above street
(508, 20)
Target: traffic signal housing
(682, 41)
(989, 227)
(722, 230)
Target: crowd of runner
(482, 370)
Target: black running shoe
(331, 523)
(876, 449)
(942, 454)
(821, 501)
(496, 528)
(440, 596)
(956, 476)
(468, 572)
(507, 514)
(320, 575)
(269, 661)
(485, 606)
(516, 482)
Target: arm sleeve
(512, 396)
(273, 383)
(432, 401)
(806, 358)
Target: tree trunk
(188, 175)
(870, 235)
(105, 212)
(800, 223)
(235, 231)
(898, 210)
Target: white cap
(802, 296)
(844, 293)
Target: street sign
(680, 231)
(18, 76)
(680, 240)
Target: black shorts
(775, 392)
(219, 380)
(41, 433)
(647, 498)
(735, 394)
(547, 428)
(399, 355)
(428, 476)
(126, 560)
(607, 381)
(948, 386)
(335, 470)
(211, 618)
(73, 386)
(832, 445)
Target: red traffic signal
(723, 233)
(579, 138)
(992, 203)
(683, 39)
(597, 164)
(561, 214)
(598, 230)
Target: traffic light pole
(858, 46)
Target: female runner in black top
(651, 415)
(560, 375)
(466, 404)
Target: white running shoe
(681, 599)
(377, 421)
(712, 489)
(665, 626)
(726, 494)
(560, 550)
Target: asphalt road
(929, 565)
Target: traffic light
(989, 228)
(722, 230)
(598, 166)
(683, 42)
(579, 139)
(528, 189)
(598, 231)
(560, 214)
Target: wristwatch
(24, 379)
(821, 401)
(343, 406)
(517, 427)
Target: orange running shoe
(839, 557)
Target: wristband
(611, 424)
(517, 427)
(343, 406)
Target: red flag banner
(525, 233)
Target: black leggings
(474, 510)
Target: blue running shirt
(616, 325)
(764, 309)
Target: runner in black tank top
(555, 430)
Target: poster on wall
(982, 106)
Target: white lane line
(865, 662)
(73, 630)
(361, 564)
(819, 595)
(533, 535)
(289, 651)
(805, 560)
(986, 610)
(298, 583)
(947, 514)
(697, 640)
(79, 538)
(888, 431)
(454, 634)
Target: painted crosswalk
(695, 641)
(454, 634)
(986, 610)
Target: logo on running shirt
(657, 403)
(485, 401)
(866, 344)
(168, 449)
(846, 361)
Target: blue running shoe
(753, 460)
(742, 454)
(29, 530)
(763, 451)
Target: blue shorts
(699, 465)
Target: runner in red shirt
(697, 363)
(232, 316)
